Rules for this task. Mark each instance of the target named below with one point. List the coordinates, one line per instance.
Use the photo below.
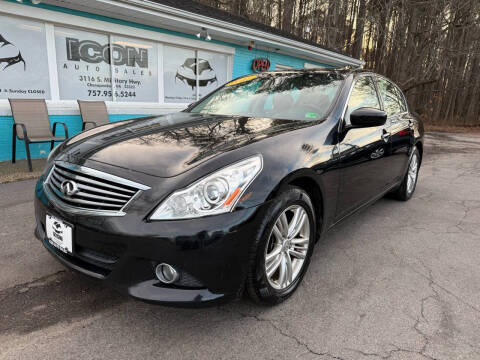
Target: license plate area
(59, 234)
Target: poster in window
(23, 59)
(83, 63)
(179, 74)
(135, 70)
(212, 71)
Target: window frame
(402, 97)
(50, 19)
(352, 86)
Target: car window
(294, 95)
(363, 94)
(401, 99)
(392, 99)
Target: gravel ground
(396, 281)
(19, 171)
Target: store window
(83, 63)
(135, 71)
(212, 71)
(182, 75)
(179, 75)
(23, 59)
(101, 66)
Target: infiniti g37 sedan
(232, 194)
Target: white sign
(23, 59)
(179, 75)
(212, 71)
(135, 70)
(83, 62)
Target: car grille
(93, 191)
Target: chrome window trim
(49, 193)
(352, 86)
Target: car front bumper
(210, 253)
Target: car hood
(168, 145)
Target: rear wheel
(281, 256)
(407, 188)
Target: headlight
(217, 193)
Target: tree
(430, 47)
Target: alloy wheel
(287, 247)
(412, 173)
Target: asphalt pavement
(395, 281)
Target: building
(60, 50)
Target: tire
(294, 203)
(409, 183)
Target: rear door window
(392, 98)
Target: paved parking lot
(396, 281)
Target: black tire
(257, 284)
(403, 193)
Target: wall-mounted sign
(85, 71)
(183, 69)
(23, 59)
(260, 64)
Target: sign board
(85, 70)
(23, 59)
(260, 64)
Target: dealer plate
(59, 234)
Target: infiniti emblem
(69, 187)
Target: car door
(363, 152)
(399, 126)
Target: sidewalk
(19, 171)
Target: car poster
(182, 67)
(179, 75)
(216, 76)
(23, 59)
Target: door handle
(385, 135)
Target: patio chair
(93, 112)
(31, 124)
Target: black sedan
(231, 194)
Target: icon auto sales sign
(90, 67)
(260, 64)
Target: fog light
(166, 273)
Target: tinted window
(296, 96)
(363, 94)
(392, 98)
(401, 99)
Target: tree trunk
(359, 30)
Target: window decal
(24, 69)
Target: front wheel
(409, 183)
(280, 257)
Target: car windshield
(295, 96)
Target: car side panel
(402, 140)
(365, 163)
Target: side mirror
(367, 117)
